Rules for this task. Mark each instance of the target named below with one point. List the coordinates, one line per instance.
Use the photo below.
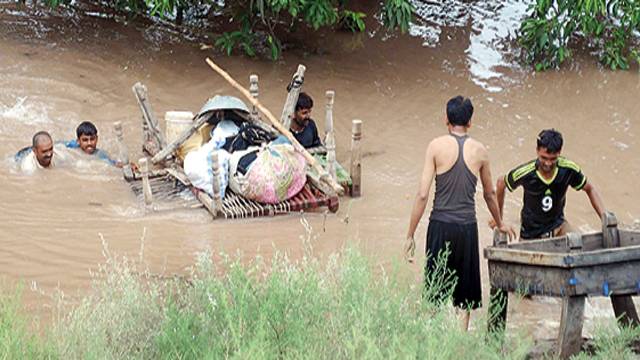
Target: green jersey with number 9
(544, 199)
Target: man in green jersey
(545, 181)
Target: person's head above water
(459, 112)
(303, 109)
(42, 147)
(87, 135)
(548, 147)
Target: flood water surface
(58, 71)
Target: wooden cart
(570, 267)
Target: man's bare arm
(500, 187)
(490, 196)
(420, 203)
(595, 199)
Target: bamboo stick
(278, 126)
(292, 97)
(356, 168)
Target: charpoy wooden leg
(625, 310)
(153, 140)
(356, 167)
(217, 196)
(146, 186)
(253, 89)
(329, 140)
(623, 305)
(570, 336)
(292, 97)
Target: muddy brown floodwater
(56, 71)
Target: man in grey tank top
(456, 161)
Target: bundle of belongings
(253, 162)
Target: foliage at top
(258, 25)
(260, 21)
(610, 27)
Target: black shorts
(463, 260)
(545, 235)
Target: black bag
(249, 135)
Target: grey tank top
(454, 201)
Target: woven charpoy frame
(174, 194)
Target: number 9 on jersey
(547, 203)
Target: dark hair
(459, 111)
(86, 128)
(38, 137)
(304, 101)
(550, 139)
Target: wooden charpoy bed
(160, 175)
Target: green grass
(16, 339)
(340, 308)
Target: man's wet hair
(550, 139)
(39, 136)
(459, 111)
(86, 128)
(304, 101)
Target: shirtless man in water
(40, 155)
(456, 161)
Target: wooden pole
(152, 138)
(278, 126)
(570, 338)
(356, 168)
(146, 187)
(184, 136)
(330, 140)
(217, 198)
(292, 96)
(572, 318)
(623, 306)
(253, 89)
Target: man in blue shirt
(303, 128)
(87, 141)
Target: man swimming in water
(87, 141)
(40, 155)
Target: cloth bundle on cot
(198, 164)
(277, 174)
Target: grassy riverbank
(341, 308)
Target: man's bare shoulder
(475, 143)
(442, 140)
(478, 149)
